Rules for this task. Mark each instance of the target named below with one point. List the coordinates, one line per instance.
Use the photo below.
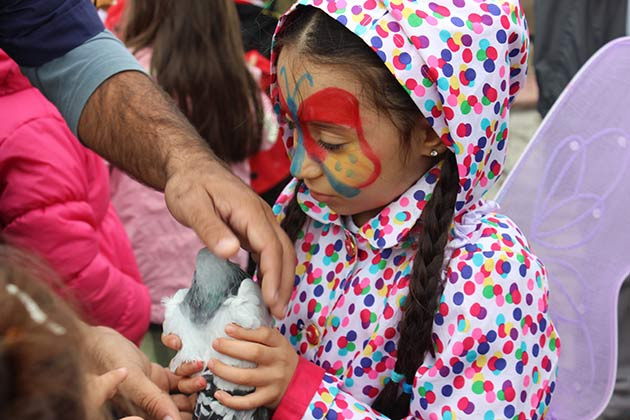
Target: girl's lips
(320, 196)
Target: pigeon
(221, 293)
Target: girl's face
(348, 154)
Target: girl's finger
(243, 376)
(172, 341)
(263, 335)
(259, 398)
(189, 368)
(192, 385)
(244, 350)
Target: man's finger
(191, 205)
(143, 393)
(287, 281)
(183, 402)
(104, 387)
(265, 240)
(209, 226)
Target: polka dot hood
(462, 63)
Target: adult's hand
(146, 385)
(132, 123)
(101, 388)
(227, 214)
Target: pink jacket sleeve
(53, 202)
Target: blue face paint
(299, 151)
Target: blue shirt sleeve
(69, 81)
(34, 32)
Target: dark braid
(425, 289)
(294, 219)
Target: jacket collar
(391, 225)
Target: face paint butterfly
(348, 168)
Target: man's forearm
(132, 123)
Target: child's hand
(186, 385)
(276, 362)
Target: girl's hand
(276, 362)
(186, 384)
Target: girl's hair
(43, 362)
(41, 374)
(322, 39)
(198, 58)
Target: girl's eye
(289, 123)
(331, 147)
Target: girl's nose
(303, 166)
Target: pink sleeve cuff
(305, 382)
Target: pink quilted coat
(54, 201)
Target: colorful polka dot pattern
(497, 350)
(462, 62)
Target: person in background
(242, 125)
(269, 167)
(567, 35)
(54, 201)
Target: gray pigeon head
(215, 279)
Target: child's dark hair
(198, 58)
(41, 372)
(43, 362)
(320, 38)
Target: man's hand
(227, 214)
(101, 388)
(129, 121)
(146, 385)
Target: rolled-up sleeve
(64, 50)
(69, 81)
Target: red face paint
(355, 165)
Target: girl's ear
(427, 140)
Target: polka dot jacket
(461, 62)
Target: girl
(193, 48)
(413, 298)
